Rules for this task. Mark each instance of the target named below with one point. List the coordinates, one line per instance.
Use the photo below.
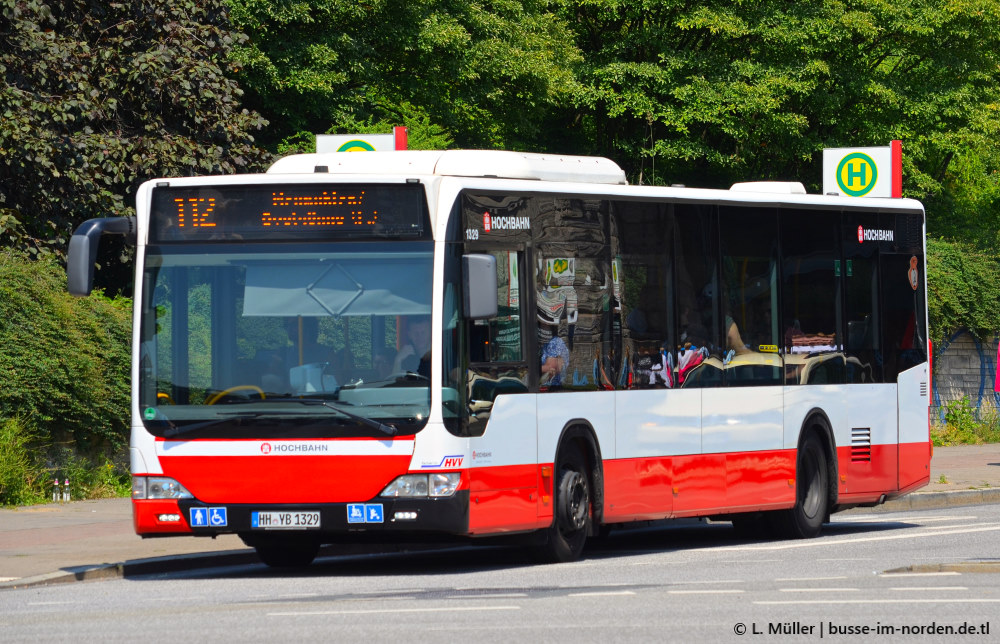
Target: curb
(933, 501)
(169, 563)
(194, 561)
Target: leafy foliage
(963, 287)
(64, 362)
(723, 91)
(486, 74)
(98, 96)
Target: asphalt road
(925, 572)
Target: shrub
(64, 361)
(962, 427)
(22, 477)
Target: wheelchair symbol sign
(217, 517)
(364, 513)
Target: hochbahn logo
(874, 234)
(292, 448)
(505, 223)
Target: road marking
(878, 601)
(835, 542)
(3, 579)
(722, 591)
(710, 581)
(881, 518)
(608, 593)
(50, 603)
(488, 596)
(818, 590)
(810, 578)
(926, 588)
(389, 611)
(947, 573)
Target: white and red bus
(401, 345)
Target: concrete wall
(964, 366)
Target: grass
(965, 425)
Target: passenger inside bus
(555, 354)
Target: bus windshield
(285, 340)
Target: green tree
(717, 91)
(963, 289)
(97, 96)
(484, 75)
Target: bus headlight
(158, 487)
(424, 485)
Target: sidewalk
(92, 539)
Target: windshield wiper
(226, 417)
(385, 428)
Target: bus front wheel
(565, 538)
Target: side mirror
(83, 250)
(479, 285)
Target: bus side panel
(760, 480)
(914, 428)
(638, 489)
(559, 410)
(650, 426)
(871, 453)
(503, 470)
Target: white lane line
(947, 573)
(878, 601)
(3, 579)
(813, 543)
(488, 596)
(721, 591)
(50, 603)
(881, 518)
(389, 611)
(929, 588)
(811, 578)
(608, 593)
(709, 581)
(818, 590)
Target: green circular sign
(356, 145)
(857, 174)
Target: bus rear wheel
(811, 508)
(566, 537)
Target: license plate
(284, 520)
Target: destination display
(284, 212)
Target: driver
(414, 356)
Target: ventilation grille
(861, 444)
(923, 389)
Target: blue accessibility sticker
(355, 512)
(364, 513)
(208, 517)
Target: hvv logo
(455, 460)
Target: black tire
(566, 537)
(293, 554)
(805, 519)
